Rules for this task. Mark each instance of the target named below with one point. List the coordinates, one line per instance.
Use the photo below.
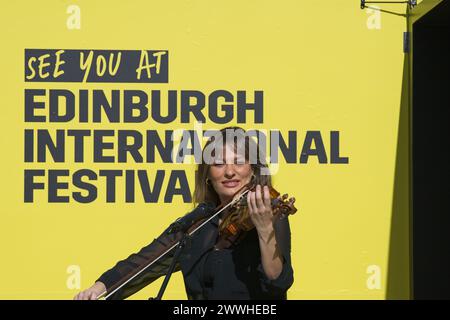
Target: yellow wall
(321, 68)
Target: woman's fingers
(267, 203)
(259, 200)
(91, 293)
(262, 195)
(250, 202)
(86, 295)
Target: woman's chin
(228, 193)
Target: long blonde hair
(204, 192)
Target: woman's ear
(253, 174)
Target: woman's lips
(230, 183)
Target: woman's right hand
(92, 293)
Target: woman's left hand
(260, 209)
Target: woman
(258, 267)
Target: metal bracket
(407, 34)
(406, 42)
(411, 3)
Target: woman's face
(229, 174)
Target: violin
(236, 220)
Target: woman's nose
(229, 170)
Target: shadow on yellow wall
(398, 275)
